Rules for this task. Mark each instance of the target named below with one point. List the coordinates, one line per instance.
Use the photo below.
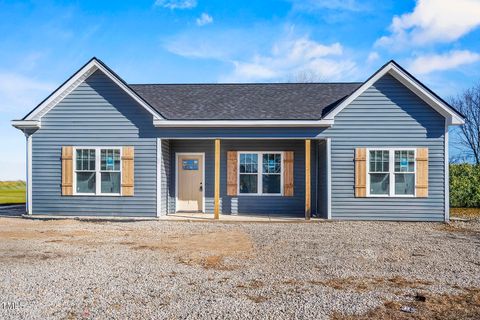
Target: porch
(244, 179)
(244, 217)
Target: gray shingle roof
(276, 101)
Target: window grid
(103, 169)
(395, 173)
(271, 165)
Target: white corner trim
(447, 175)
(329, 178)
(29, 173)
(26, 124)
(410, 83)
(242, 123)
(159, 177)
(75, 81)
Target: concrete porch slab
(188, 216)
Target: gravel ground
(187, 270)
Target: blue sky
(189, 41)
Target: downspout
(28, 172)
(317, 164)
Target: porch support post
(308, 183)
(216, 208)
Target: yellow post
(216, 210)
(308, 210)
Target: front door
(190, 182)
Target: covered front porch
(244, 179)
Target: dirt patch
(457, 228)
(253, 284)
(257, 299)
(214, 243)
(367, 284)
(31, 256)
(465, 305)
(468, 213)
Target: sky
(44, 42)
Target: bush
(464, 185)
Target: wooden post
(308, 188)
(216, 210)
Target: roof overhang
(73, 82)
(26, 124)
(392, 68)
(242, 123)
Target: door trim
(177, 154)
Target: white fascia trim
(414, 86)
(242, 123)
(26, 124)
(75, 81)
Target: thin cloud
(441, 62)
(291, 56)
(433, 21)
(21, 93)
(204, 19)
(339, 5)
(176, 4)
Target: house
(376, 150)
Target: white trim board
(447, 175)
(410, 83)
(176, 176)
(241, 123)
(72, 83)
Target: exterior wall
(322, 185)
(165, 176)
(97, 113)
(386, 115)
(247, 204)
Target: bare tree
(468, 103)
(304, 76)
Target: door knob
(201, 186)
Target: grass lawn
(468, 213)
(12, 192)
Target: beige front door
(190, 183)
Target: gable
(33, 119)
(411, 83)
(387, 106)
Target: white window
(391, 172)
(260, 173)
(97, 171)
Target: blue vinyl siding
(386, 115)
(97, 113)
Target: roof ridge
(240, 83)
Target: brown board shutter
(421, 184)
(127, 171)
(67, 171)
(232, 173)
(360, 172)
(288, 173)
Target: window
(97, 171)
(264, 178)
(391, 172)
(190, 164)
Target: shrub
(465, 185)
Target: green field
(12, 192)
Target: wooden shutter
(360, 172)
(421, 184)
(232, 168)
(67, 171)
(288, 173)
(128, 173)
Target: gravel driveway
(176, 270)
